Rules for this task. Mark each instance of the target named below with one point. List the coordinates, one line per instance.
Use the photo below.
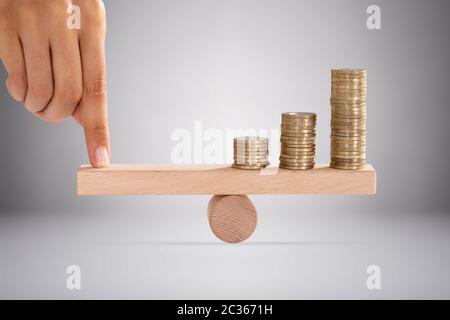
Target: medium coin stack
(251, 153)
(298, 140)
(348, 118)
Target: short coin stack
(251, 153)
(298, 140)
(348, 118)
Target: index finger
(92, 112)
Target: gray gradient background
(239, 64)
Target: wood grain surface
(232, 218)
(222, 179)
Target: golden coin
(298, 121)
(251, 161)
(352, 150)
(299, 152)
(285, 148)
(295, 155)
(297, 115)
(348, 140)
(348, 118)
(251, 148)
(296, 168)
(338, 108)
(347, 134)
(250, 157)
(347, 162)
(340, 74)
(243, 167)
(297, 160)
(298, 155)
(341, 102)
(250, 138)
(297, 164)
(251, 164)
(344, 112)
(247, 152)
(350, 86)
(344, 93)
(344, 134)
(348, 127)
(298, 138)
(298, 124)
(343, 77)
(349, 82)
(348, 147)
(346, 98)
(247, 147)
(349, 122)
(297, 128)
(346, 143)
(356, 154)
(350, 71)
(357, 159)
(358, 167)
(261, 143)
(298, 132)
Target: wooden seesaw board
(231, 214)
(223, 180)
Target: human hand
(56, 71)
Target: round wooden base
(232, 218)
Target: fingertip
(15, 91)
(101, 158)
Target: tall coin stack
(348, 118)
(251, 153)
(298, 140)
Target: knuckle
(19, 80)
(29, 10)
(100, 133)
(38, 96)
(95, 12)
(70, 96)
(97, 6)
(39, 63)
(96, 87)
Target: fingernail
(101, 157)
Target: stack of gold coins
(348, 118)
(298, 140)
(251, 153)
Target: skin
(56, 72)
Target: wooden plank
(222, 180)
